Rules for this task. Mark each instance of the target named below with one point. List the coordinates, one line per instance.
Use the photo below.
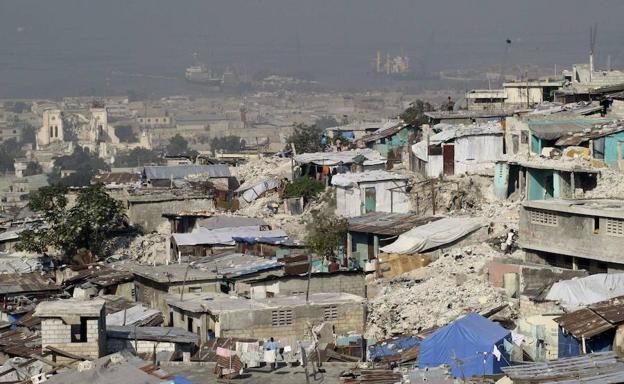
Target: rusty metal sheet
(583, 323)
(612, 310)
(388, 224)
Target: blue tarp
(392, 347)
(466, 345)
(181, 380)
(569, 346)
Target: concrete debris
(263, 167)
(149, 248)
(610, 185)
(434, 295)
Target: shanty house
(285, 318)
(357, 130)
(371, 191)
(458, 150)
(390, 141)
(367, 233)
(73, 326)
(320, 165)
(575, 234)
(472, 346)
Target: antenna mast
(592, 45)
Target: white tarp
(433, 235)
(580, 292)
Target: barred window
(543, 218)
(330, 313)
(615, 227)
(281, 317)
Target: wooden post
(309, 277)
(433, 202)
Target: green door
(370, 198)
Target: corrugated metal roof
(163, 334)
(612, 310)
(225, 221)
(384, 132)
(596, 132)
(334, 158)
(163, 172)
(581, 369)
(551, 129)
(116, 178)
(583, 323)
(353, 179)
(389, 224)
(224, 236)
(21, 283)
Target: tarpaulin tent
(433, 235)
(470, 346)
(580, 292)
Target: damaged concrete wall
(346, 283)
(350, 317)
(571, 235)
(148, 215)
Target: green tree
(138, 157)
(83, 162)
(178, 145)
(28, 133)
(227, 143)
(87, 224)
(126, 134)
(326, 232)
(9, 151)
(306, 138)
(33, 168)
(305, 187)
(415, 113)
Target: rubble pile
(434, 295)
(610, 185)
(263, 167)
(148, 248)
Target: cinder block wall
(55, 333)
(257, 324)
(143, 347)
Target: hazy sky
(57, 47)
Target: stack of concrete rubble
(434, 295)
(263, 167)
